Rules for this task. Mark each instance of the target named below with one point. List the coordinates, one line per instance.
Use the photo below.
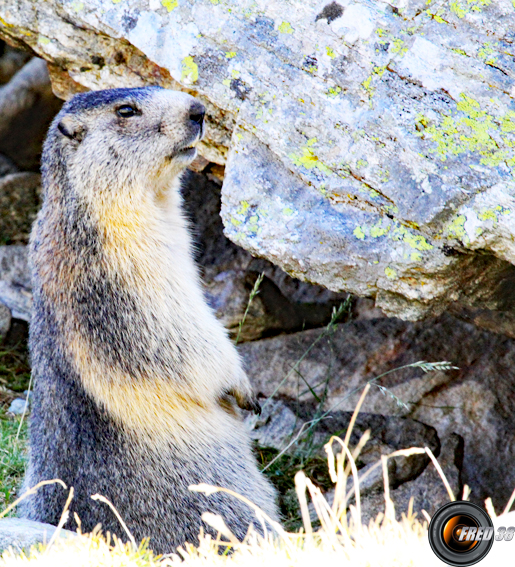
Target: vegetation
(12, 457)
(14, 367)
(14, 378)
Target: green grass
(282, 470)
(13, 454)
(14, 377)
(15, 367)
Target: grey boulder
(369, 147)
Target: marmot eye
(126, 111)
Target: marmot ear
(71, 128)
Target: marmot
(135, 379)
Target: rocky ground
(309, 352)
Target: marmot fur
(134, 376)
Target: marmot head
(120, 141)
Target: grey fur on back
(135, 379)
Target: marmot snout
(132, 370)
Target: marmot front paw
(246, 401)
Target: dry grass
(394, 544)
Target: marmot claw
(246, 402)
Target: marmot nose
(197, 113)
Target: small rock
(17, 406)
(199, 164)
(275, 427)
(279, 427)
(11, 61)
(15, 285)
(6, 166)
(21, 533)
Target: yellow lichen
(170, 4)
(398, 47)
(358, 233)
(244, 207)
(378, 230)
(332, 92)
(416, 241)
(189, 72)
(457, 227)
(390, 273)
(285, 27)
(471, 131)
(308, 159)
(462, 7)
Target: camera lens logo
(461, 534)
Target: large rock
(475, 402)
(369, 146)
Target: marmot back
(134, 376)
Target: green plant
(13, 456)
(15, 367)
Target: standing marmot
(132, 370)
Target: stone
(475, 402)
(387, 434)
(21, 534)
(368, 147)
(17, 406)
(11, 61)
(27, 106)
(276, 427)
(19, 204)
(229, 273)
(5, 321)
(6, 166)
(15, 286)
(428, 490)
